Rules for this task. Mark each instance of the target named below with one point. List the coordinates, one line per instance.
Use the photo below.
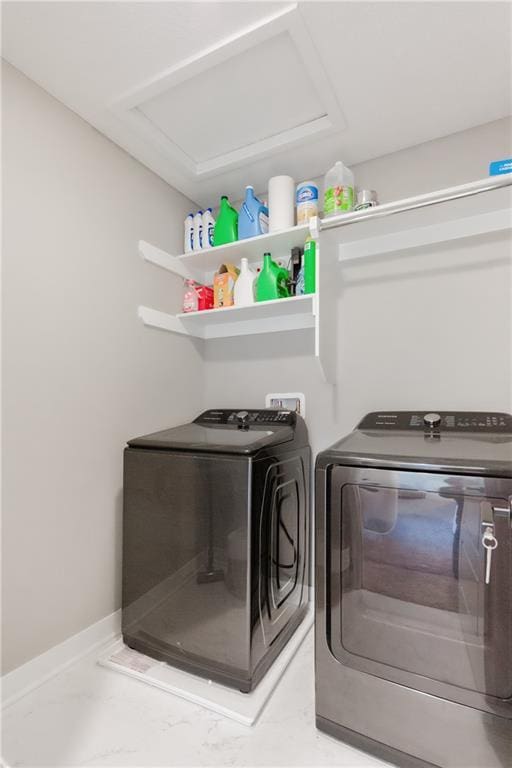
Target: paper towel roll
(281, 203)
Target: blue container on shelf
(253, 216)
(500, 166)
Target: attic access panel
(250, 96)
(256, 94)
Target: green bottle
(272, 281)
(309, 265)
(226, 226)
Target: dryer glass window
(412, 584)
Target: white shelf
(418, 221)
(416, 237)
(290, 314)
(440, 216)
(201, 265)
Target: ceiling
(214, 96)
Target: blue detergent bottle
(253, 216)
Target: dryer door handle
(488, 529)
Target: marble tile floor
(92, 716)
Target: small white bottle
(198, 231)
(208, 227)
(189, 233)
(244, 285)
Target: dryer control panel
(454, 421)
(247, 416)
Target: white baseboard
(35, 672)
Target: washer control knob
(432, 420)
(243, 419)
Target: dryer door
(416, 595)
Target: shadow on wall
(465, 257)
(262, 346)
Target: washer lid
(221, 432)
(468, 443)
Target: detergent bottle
(198, 231)
(208, 227)
(226, 226)
(244, 286)
(272, 282)
(253, 216)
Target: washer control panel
(247, 416)
(454, 421)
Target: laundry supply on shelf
(497, 167)
(188, 243)
(253, 216)
(208, 228)
(224, 284)
(306, 199)
(226, 226)
(294, 266)
(366, 198)
(272, 281)
(338, 190)
(309, 266)
(281, 203)
(198, 231)
(244, 285)
(196, 297)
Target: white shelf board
(402, 239)
(489, 184)
(197, 264)
(290, 314)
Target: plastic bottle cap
(223, 197)
(200, 212)
(250, 186)
(209, 209)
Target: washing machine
(216, 542)
(414, 588)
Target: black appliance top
(236, 431)
(468, 442)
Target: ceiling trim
(289, 20)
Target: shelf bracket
(157, 319)
(162, 259)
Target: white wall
(81, 373)
(430, 329)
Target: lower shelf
(291, 314)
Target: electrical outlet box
(289, 401)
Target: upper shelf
(200, 264)
(401, 231)
(405, 224)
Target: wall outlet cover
(289, 401)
